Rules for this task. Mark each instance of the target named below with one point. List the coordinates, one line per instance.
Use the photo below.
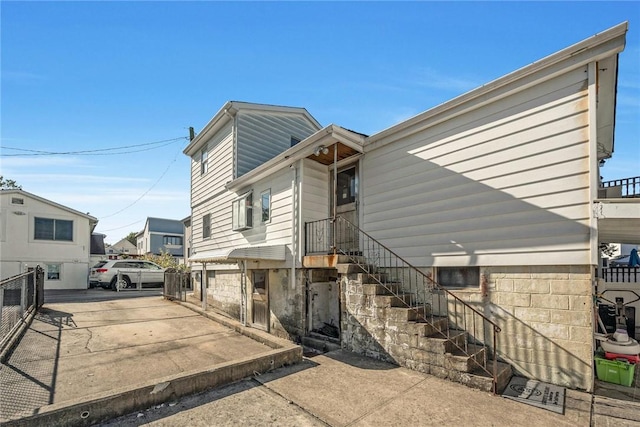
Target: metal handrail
(348, 239)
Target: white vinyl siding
(315, 191)
(276, 232)
(506, 184)
(262, 136)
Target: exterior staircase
(397, 313)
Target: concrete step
(465, 360)
(401, 300)
(319, 345)
(402, 314)
(378, 289)
(442, 344)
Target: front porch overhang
(225, 256)
(618, 220)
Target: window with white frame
(53, 229)
(265, 203)
(53, 271)
(459, 277)
(294, 141)
(204, 161)
(172, 240)
(206, 226)
(242, 212)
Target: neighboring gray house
(465, 235)
(161, 235)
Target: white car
(105, 274)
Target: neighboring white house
(123, 247)
(494, 194)
(36, 231)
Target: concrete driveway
(88, 345)
(90, 358)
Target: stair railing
(429, 299)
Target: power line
(146, 192)
(124, 226)
(95, 152)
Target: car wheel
(124, 283)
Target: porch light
(321, 149)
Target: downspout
(335, 195)
(243, 290)
(203, 287)
(295, 213)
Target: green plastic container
(615, 371)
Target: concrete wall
(224, 292)
(286, 304)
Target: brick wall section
(546, 317)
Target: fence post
(23, 296)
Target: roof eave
(602, 45)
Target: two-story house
(161, 235)
(36, 231)
(462, 242)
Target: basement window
(459, 277)
(242, 211)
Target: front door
(260, 299)
(346, 201)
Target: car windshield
(100, 264)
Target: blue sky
(79, 76)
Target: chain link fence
(20, 295)
(176, 284)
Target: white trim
(267, 253)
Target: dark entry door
(260, 299)
(346, 201)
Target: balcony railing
(619, 274)
(619, 188)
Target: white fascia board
(595, 48)
(229, 109)
(218, 120)
(325, 136)
(91, 219)
(617, 209)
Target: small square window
(53, 271)
(294, 141)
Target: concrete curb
(101, 407)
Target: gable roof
(228, 112)
(164, 225)
(331, 136)
(93, 221)
(603, 46)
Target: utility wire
(119, 228)
(146, 192)
(96, 152)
